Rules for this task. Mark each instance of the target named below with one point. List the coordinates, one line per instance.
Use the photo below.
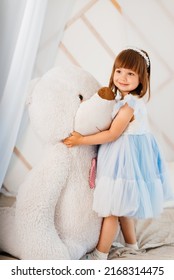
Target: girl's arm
(117, 127)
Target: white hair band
(141, 53)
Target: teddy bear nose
(81, 97)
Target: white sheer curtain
(20, 71)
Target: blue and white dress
(131, 175)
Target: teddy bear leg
(39, 239)
(35, 208)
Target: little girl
(131, 179)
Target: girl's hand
(73, 140)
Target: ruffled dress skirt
(131, 179)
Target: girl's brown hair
(131, 59)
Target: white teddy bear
(53, 217)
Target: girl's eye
(118, 71)
(80, 97)
(131, 74)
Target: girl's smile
(125, 80)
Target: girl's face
(125, 80)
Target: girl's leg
(107, 235)
(109, 228)
(128, 230)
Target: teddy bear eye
(81, 97)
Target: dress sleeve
(129, 99)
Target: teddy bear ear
(30, 88)
(106, 93)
